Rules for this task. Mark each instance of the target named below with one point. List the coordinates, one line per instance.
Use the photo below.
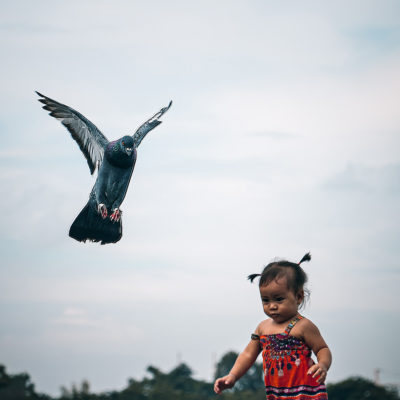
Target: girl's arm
(244, 361)
(315, 341)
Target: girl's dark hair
(295, 275)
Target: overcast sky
(283, 138)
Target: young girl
(286, 339)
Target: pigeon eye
(123, 143)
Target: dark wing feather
(90, 140)
(150, 124)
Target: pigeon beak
(128, 150)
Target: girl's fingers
(216, 386)
(312, 369)
(321, 378)
(317, 372)
(217, 389)
(222, 384)
(320, 374)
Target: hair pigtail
(306, 257)
(252, 277)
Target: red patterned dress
(286, 360)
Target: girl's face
(280, 303)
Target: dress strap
(292, 323)
(255, 337)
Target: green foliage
(357, 388)
(179, 384)
(77, 393)
(17, 387)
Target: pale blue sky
(283, 138)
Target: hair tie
(252, 277)
(306, 257)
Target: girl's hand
(318, 370)
(226, 382)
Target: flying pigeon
(100, 219)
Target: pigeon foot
(102, 209)
(116, 215)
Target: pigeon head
(121, 152)
(126, 144)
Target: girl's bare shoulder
(311, 335)
(308, 324)
(304, 327)
(263, 327)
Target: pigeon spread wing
(150, 124)
(90, 140)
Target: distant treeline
(178, 384)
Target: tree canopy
(358, 388)
(179, 384)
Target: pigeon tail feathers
(89, 225)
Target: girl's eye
(280, 299)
